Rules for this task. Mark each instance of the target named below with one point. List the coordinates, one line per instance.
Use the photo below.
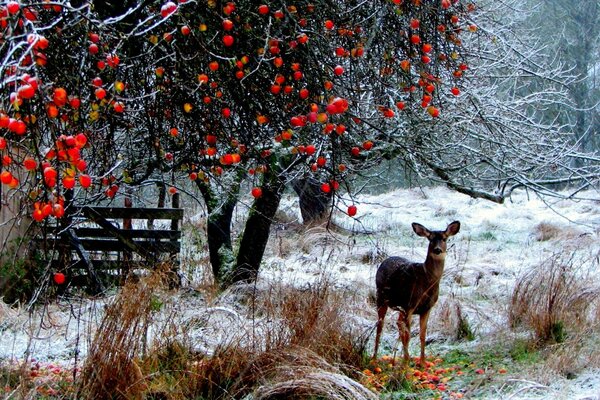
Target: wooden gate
(109, 243)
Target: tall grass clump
(316, 318)
(285, 342)
(112, 368)
(299, 345)
(556, 299)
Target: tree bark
(257, 230)
(314, 203)
(218, 228)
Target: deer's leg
(381, 310)
(423, 334)
(404, 329)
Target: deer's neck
(434, 267)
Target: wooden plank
(93, 280)
(104, 265)
(175, 204)
(130, 233)
(111, 245)
(131, 245)
(150, 246)
(137, 213)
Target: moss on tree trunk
(257, 229)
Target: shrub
(554, 298)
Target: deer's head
(437, 239)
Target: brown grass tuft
(298, 373)
(546, 231)
(296, 342)
(314, 318)
(454, 323)
(555, 299)
(112, 367)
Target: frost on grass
(498, 244)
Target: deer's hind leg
(404, 332)
(381, 311)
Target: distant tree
(510, 126)
(570, 31)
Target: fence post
(127, 225)
(175, 204)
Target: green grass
(486, 236)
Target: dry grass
(112, 367)
(556, 299)
(296, 344)
(298, 373)
(545, 231)
(577, 353)
(453, 322)
(318, 236)
(297, 337)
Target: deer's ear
(420, 230)
(453, 228)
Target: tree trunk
(314, 203)
(257, 230)
(218, 229)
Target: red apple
(256, 192)
(29, 164)
(167, 9)
(263, 9)
(100, 93)
(68, 182)
(37, 215)
(352, 210)
(85, 181)
(227, 24)
(26, 91)
(13, 7)
(59, 278)
(59, 97)
(119, 107)
(228, 40)
(58, 210)
(6, 177)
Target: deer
(412, 287)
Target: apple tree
(274, 92)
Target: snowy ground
(497, 243)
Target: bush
(19, 275)
(554, 298)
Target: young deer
(411, 287)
